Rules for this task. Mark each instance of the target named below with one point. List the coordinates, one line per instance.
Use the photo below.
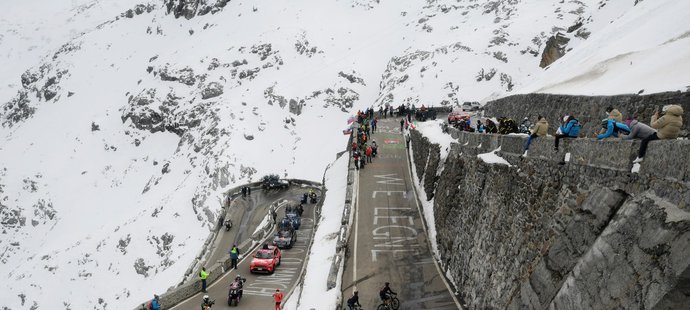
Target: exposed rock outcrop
(553, 50)
(190, 8)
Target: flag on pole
(347, 131)
(351, 120)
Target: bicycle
(394, 303)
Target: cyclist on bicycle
(354, 300)
(385, 293)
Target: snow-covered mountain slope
(123, 121)
(482, 50)
(641, 49)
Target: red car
(457, 116)
(265, 260)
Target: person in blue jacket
(569, 129)
(612, 128)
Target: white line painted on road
(356, 206)
(387, 233)
(393, 218)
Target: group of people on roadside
(664, 125)
(363, 151)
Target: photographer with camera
(206, 303)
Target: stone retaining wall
(545, 233)
(590, 110)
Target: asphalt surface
(389, 242)
(247, 213)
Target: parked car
(471, 106)
(285, 238)
(272, 181)
(457, 116)
(265, 259)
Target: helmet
(356, 292)
(205, 297)
(565, 118)
(387, 283)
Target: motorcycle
(234, 294)
(313, 198)
(228, 225)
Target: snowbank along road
(259, 287)
(389, 243)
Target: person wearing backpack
(612, 128)
(570, 129)
(667, 126)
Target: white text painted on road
(388, 179)
(388, 193)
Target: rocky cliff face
(588, 234)
(555, 48)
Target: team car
(285, 238)
(272, 181)
(295, 219)
(265, 259)
(457, 116)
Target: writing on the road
(394, 230)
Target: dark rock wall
(588, 234)
(589, 109)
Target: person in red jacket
(278, 296)
(369, 153)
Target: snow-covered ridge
(121, 122)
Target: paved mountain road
(259, 287)
(389, 242)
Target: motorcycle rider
(206, 303)
(385, 293)
(239, 280)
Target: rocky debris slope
(545, 235)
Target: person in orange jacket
(278, 296)
(370, 153)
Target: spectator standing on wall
(569, 129)
(637, 130)
(667, 126)
(540, 129)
